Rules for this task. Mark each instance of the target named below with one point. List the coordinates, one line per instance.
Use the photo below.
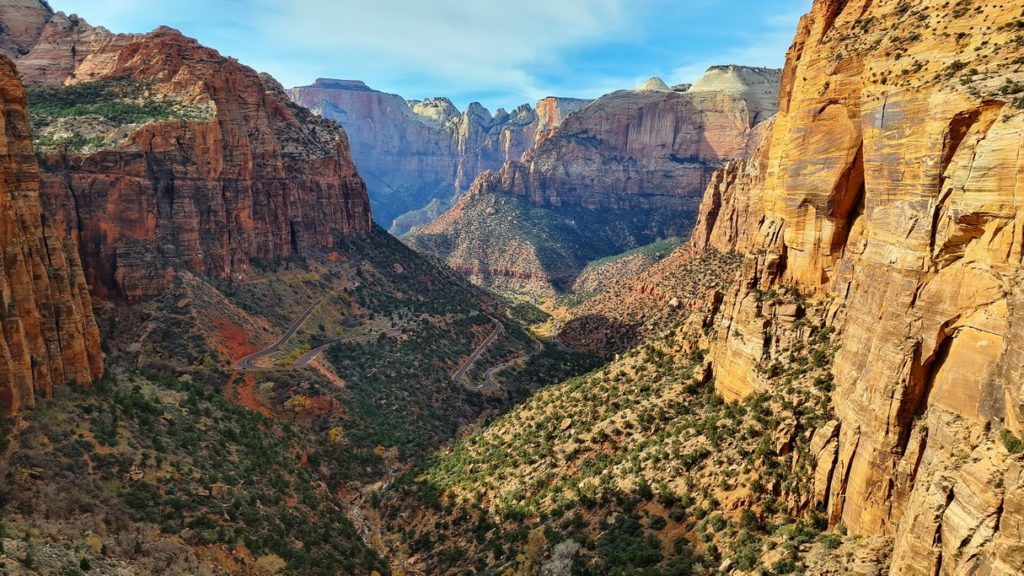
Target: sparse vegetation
(519, 244)
(79, 116)
(614, 459)
(186, 464)
(1013, 444)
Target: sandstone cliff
(215, 171)
(649, 149)
(623, 171)
(23, 22)
(48, 335)
(413, 152)
(889, 187)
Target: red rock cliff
(412, 152)
(648, 149)
(247, 177)
(48, 335)
(621, 172)
(890, 186)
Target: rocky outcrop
(48, 335)
(625, 170)
(63, 43)
(414, 152)
(889, 188)
(652, 149)
(759, 87)
(253, 181)
(654, 84)
(22, 23)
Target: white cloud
(490, 44)
(766, 47)
(498, 51)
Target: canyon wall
(228, 174)
(413, 152)
(889, 188)
(621, 172)
(653, 149)
(48, 335)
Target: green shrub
(784, 566)
(831, 541)
(1013, 444)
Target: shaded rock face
(635, 162)
(23, 22)
(48, 335)
(649, 149)
(257, 181)
(413, 152)
(890, 185)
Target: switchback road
(498, 331)
(248, 364)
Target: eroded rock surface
(48, 335)
(252, 181)
(413, 152)
(890, 183)
(624, 170)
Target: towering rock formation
(216, 170)
(622, 171)
(23, 22)
(413, 152)
(650, 148)
(48, 335)
(890, 187)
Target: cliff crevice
(48, 335)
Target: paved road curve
(491, 384)
(248, 363)
(498, 331)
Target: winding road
(248, 364)
(498, 331)
(490, 383)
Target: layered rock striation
(48, 335)
(625, 170)
(889, 187)
(646, 148)
(225, 175)
(413, 152)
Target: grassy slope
(665, 293)
(161, 476)
(384, 386)
(638, 468)
(82, 116)
(603, 273)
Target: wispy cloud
(499, 52)
(763, 46)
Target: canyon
(823, 378)
(621, 172)
(414, 152)
(878, 209)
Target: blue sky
(499, 53)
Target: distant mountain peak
(735, 79)
(654, 84)
(338, 84)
